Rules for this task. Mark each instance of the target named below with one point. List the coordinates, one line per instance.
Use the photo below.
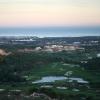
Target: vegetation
(19, 70)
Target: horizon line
(69, 26)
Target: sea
(50, 31)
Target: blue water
(51, 32)
(55, 78)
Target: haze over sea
(51, 31)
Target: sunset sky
(16, 13)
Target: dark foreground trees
(7, 72)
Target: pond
(48, 79)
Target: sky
(20, 13)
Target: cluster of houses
(53, 48)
